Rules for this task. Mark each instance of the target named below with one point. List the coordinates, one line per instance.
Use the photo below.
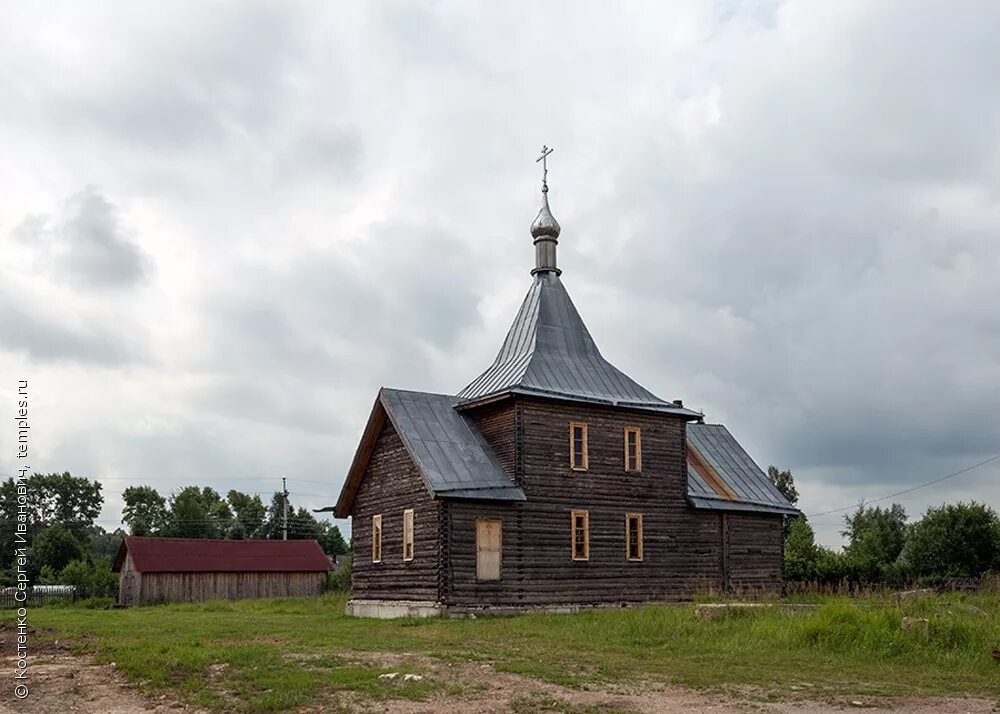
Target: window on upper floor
(633, 449)
(377, 538)
(633, 536)
(408, 534)
(578, 446)
(581, 535)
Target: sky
(226, 225)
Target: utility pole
(284, 517)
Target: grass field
(273, 655)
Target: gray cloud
(86, 243)
(29, 330)
(785, 214)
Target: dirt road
(60, 682)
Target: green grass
(274, 655)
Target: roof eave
(507, 392)
(366, 446)
(511, 494)
(702, 502)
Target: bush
(953, 541)
(91, 579)
(340, 579)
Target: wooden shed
(193, 569)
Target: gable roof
(203, 555)
(549, 352)
(451, 455)
(722, 476)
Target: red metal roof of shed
(203, 555)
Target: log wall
(390, 485)
(756, 554)
(682, 547)
(685, 550)
(497, 423)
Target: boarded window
(633, 536)
(377, 538)
(633, 449)
(408, 534)
(488, 544)
(578, 446)
(581, 535)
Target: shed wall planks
(196, 587)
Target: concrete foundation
(389, 609)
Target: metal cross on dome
(545, 168)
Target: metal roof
(721, 475)
(549, 352)
(205, 555)
(453, 457)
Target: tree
(194, 513)
(302, 524)
(73, 501)
(805, 560)
(784, 482)
(875, 540)
(104, 546)
(271, 527)
(54, 498)
(218, 509)
(332, 540)
(50, 498)
(145, 511)
(55, 547)
(953, 540)
(248, 513)
(801, 550)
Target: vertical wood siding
(129, 582)
(390, 485)
(196, 587)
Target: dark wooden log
(392, 484)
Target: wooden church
(552, 481)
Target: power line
(218, 478)
(919, 486)
(247, 493)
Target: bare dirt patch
(474, 688)
(63, 682)
(59, 682)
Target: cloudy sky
(225, 225)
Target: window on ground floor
(633, 536)
(581, 535)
